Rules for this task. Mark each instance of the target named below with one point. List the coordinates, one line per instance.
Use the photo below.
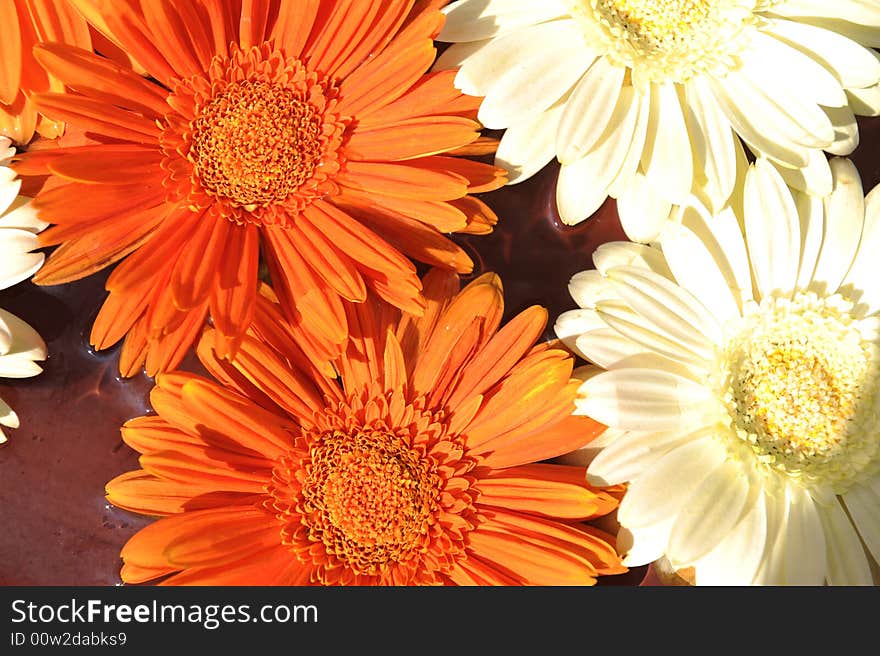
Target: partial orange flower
(418, 465)
(308, 130)
(25, 23)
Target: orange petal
(144, 493)
(108, 164)
(268, 567)
(167, 351)
(554, 491)
(412, 137)
(413, 331)
(195, 274)
(254, 22)
(234, 299)
(10, 53)
(294, 24)
(410, 180)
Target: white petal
(668, 306)
(621, 253)
(645, 399)
(709, 514)
(771, 570)
(779, 62)
(21, 214)
(644, 332)
(847, 562)
(583, 185)
(667, 160)
(811, 211)
(528, 146)
(846, 130)
(713, 142)
(862, 277)
(865, 12)
(643, 212)
(772, 230)
(852, 64)
(606, 347)
(631, 162)
(9, 188)
(26, 342)
(863, 505)
(865, 102)
(525, 72)
(696, 270)
(588, 287)
(759, 120)
(814, 178)
(457, 54)
(7, 418)
(737, 558)
(589, 110)
(641, 546)
(472, 20)
(574, 323)
(844, 218)
(634, 453)
(804, 542)
(659, 493)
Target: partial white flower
(20, 345)
(741, 359)
(19, 225)
(646, 100)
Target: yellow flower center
(666, 40)
(801, 388)
(256, 143)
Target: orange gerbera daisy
(308, 128)
(416, 466)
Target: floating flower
(311, 134)
(643, 100)
(25, 23)
(416, 466)
(20, 345)
(743, 367)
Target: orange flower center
(256, 143)
(256, 137)
(371, 498)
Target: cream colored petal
(621, 253)
(472, 20)
(709, 514)
(804, 542)
(811, 211)
(846, 130)
(457, 54)
(847, 563)
(634, 453)
(760, 121)
(667, 160)
(844, 219)
(853, 65)
(26, 342)
(9, 188)
(737, 557)
(771, 570)
(643, 212)
(696, 270)
(863, 505)
(865, 12)
(775, 62)
(645, 399)
(588, 112)
(8, 418)
(862, 277)
(814, 178)
(22, 215)
(642, 331)
(528, 146)
(525, 72)
(606, 347)
(772, 230)
(583, 184)
(673, 310)
(632, 161)
(641, 546)
(713, 142)
(660, 492)
(588, 287)
(865, 102)
(574, 323)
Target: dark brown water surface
(55, 525)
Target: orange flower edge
(419, 465)
(315, 137)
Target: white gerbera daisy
(642, 100)
(743, 364)
(19, 225)
(20, 345)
